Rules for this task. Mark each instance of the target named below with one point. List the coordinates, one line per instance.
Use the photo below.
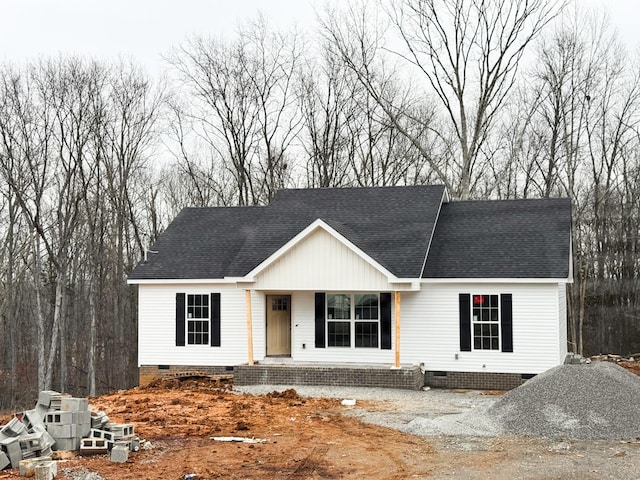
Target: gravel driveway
(572, 422)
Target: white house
(396, 277)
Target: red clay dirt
(305, 439)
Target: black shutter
(180, 310)
(215, 319)
(385, 321)
(465, 322)
(506, 322)
(320, 319)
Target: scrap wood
(240, 439)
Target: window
(339, 308)
(486, 322)
(280, 304)
(354, 316)
(197, 319)
(339, 334)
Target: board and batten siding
(320, 262)
(303, 336)
(431, 336)
(156, 327)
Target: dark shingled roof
(393, 225)
(502, 239)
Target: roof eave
(552, 280)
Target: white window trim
(474, 322)
(352, 320)
(189, 320)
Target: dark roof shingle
(502, 239)
(393, 225)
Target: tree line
(499, 99)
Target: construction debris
(610, 357)
(240, 439)
(61, 423)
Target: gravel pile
(590, 401)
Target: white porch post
(249, 327)
(397, 342)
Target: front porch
(347, 374)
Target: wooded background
(496, 99)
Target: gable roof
(502, 239)
(392, 225)
(309, 231)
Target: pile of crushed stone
(589, 401)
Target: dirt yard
(312, 439)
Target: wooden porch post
(249, 327)
(397, 342)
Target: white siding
(562, 318)
(303, 338)
(156, 330)
(430, 329)
(321, 262)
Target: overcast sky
(142, 29)
(145, 29)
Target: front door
(278, 325)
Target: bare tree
(357, 37)
(467, 51)
(242, 104)
(327, 102)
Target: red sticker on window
(478, 300)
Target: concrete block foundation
(475, 380)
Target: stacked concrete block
(24, 437)
(120, 431)
(61, 422)
(49, 400)
(10, 441)
(67, 420)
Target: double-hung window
(197, 319)
(353, 320)
(486, 322)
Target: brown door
(278, 325)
